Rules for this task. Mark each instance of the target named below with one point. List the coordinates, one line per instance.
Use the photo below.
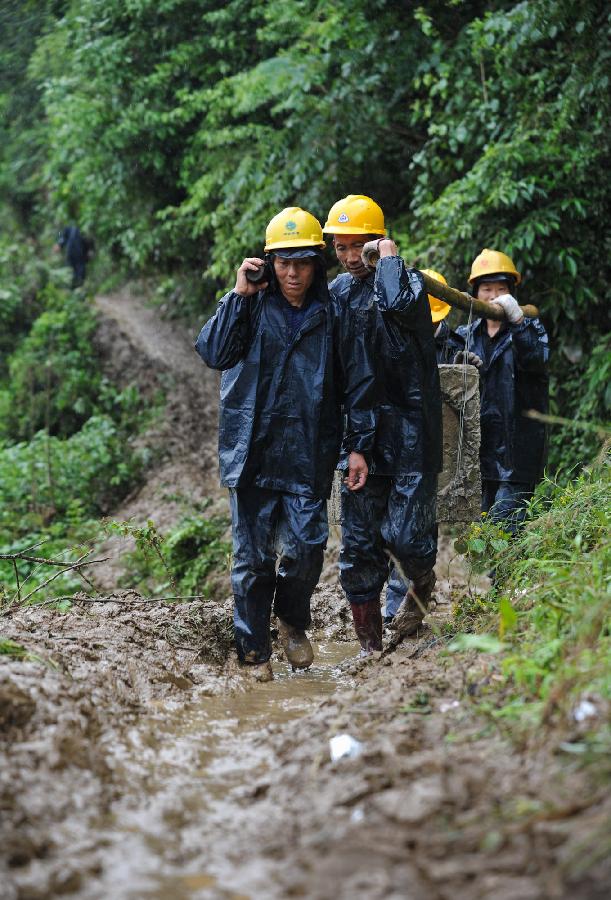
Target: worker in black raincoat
(292, 358)
(512, 358)
(394, 516)
(76, 248)
(397, 589)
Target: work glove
(470, 359)
(512, 309)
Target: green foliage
(149, 546)
(586, 388)
(53, 487)
(484, 643)
(59, 540)
(54, 377)
(191, 124)
(71, 479)
(551, 606)
(516, 116)
(22, 120)
(174, 131)
(195, 549)
(185, 558)
(12, 649)
(22, 278)
(15, 651)
(483, 541)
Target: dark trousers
(78, 266)
(505, 502)
(267, 526)
(389, 515)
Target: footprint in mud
(187, 770)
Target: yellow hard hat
(355, 214)
(439, 309)
(293, 227)
(493, 262)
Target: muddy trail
(136, 762)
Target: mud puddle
(189, 769)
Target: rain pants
(513, 379)
(282, 393)
(395, 512)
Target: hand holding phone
(260, 275)
(252, 268)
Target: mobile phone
(263, 273)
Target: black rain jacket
(408, 409)
(513, 379)
(281, 398)
(71, 240)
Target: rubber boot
(296, 645)
(257, 671)
(412, 611)
(367, 618)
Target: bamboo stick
(451, 295)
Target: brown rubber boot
(412, 611)
(367, 618)
(296, 645)
(257, 671)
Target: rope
(461, 416)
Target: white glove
(513, 313)
(470, 359)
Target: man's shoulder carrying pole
(458, 299)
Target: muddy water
(188, 767)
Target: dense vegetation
(550, 611)
(66, 453)
(171, 130)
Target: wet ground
(136, 763)
(130, 768)
(193, 763)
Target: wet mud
(120, 746)
(136, 761)
(133, 765)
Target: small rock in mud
(16, 705)
(413, 803)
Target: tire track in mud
(132, 768)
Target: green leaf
(508, 615)
(477, 545)
(483, 643)
(499, 544)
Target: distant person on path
(77, 250)
(291, 357)
(513, 379)
(394, 516)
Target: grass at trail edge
(547, 617)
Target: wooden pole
(458, 299)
